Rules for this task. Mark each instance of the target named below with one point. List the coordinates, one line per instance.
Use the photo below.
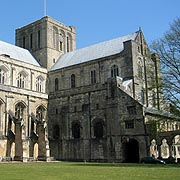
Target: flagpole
(45, 8)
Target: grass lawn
(87, 171)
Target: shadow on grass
(137, 165)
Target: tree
(168, 49)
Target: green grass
(87, 171)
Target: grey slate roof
(93, 52)
(17, 53)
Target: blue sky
(95, 20)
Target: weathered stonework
(96, 109)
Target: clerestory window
(93, 77)
(2, 76)
(39, 84)
(114, 71)
(21, 79)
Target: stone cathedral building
(91, 104)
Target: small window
(24, 42)
(54, 60)
(56, 84)
(114, 71)
(73, 81)
(129, 124)
(39, 39)
(85, 107)
(31, 41)
(61, 39)
(131, 110)
(93, 77)
(56, 111)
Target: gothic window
(54, 38)
(2, 76)
(76, 130)
(56, 132)
(31, 41)
(142, 97)
(21, 80)
(56, 84)
(129, 124)
(19, 111)
(73, 81)
(68, 48)
(39, 84)
(24, 42)
(61, 40)
(153, 99)
(39, 39)
(98, 129)
(1, 114)
(93, 77)
(40, 113)
(140, 71)
(85, 107)
(114, 71)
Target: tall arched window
(40, 113)
(1, 104)
(73, 81)
(98, 129)
(76, 130)
(21, 79)
(114, 71)
(56, 82)
(55, 37)
(61, 41)
(39, 84)
(19, 111)
(2, 76)
(93, 77)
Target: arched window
(56, 132)
(40, 113)
(55, 38)
(2, 76)
(69, 42)
(114, 71)
(56, 84)
(39, 84)
(140, 71)
(19, 111)
(1, 104)
(61, 41)
(98, 129)
(93, 77)
(73, 81)
(39, 39)
(76, 130)
(21, 79)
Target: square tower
(47, 39)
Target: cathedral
(96, 103)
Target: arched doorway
(131, 151)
